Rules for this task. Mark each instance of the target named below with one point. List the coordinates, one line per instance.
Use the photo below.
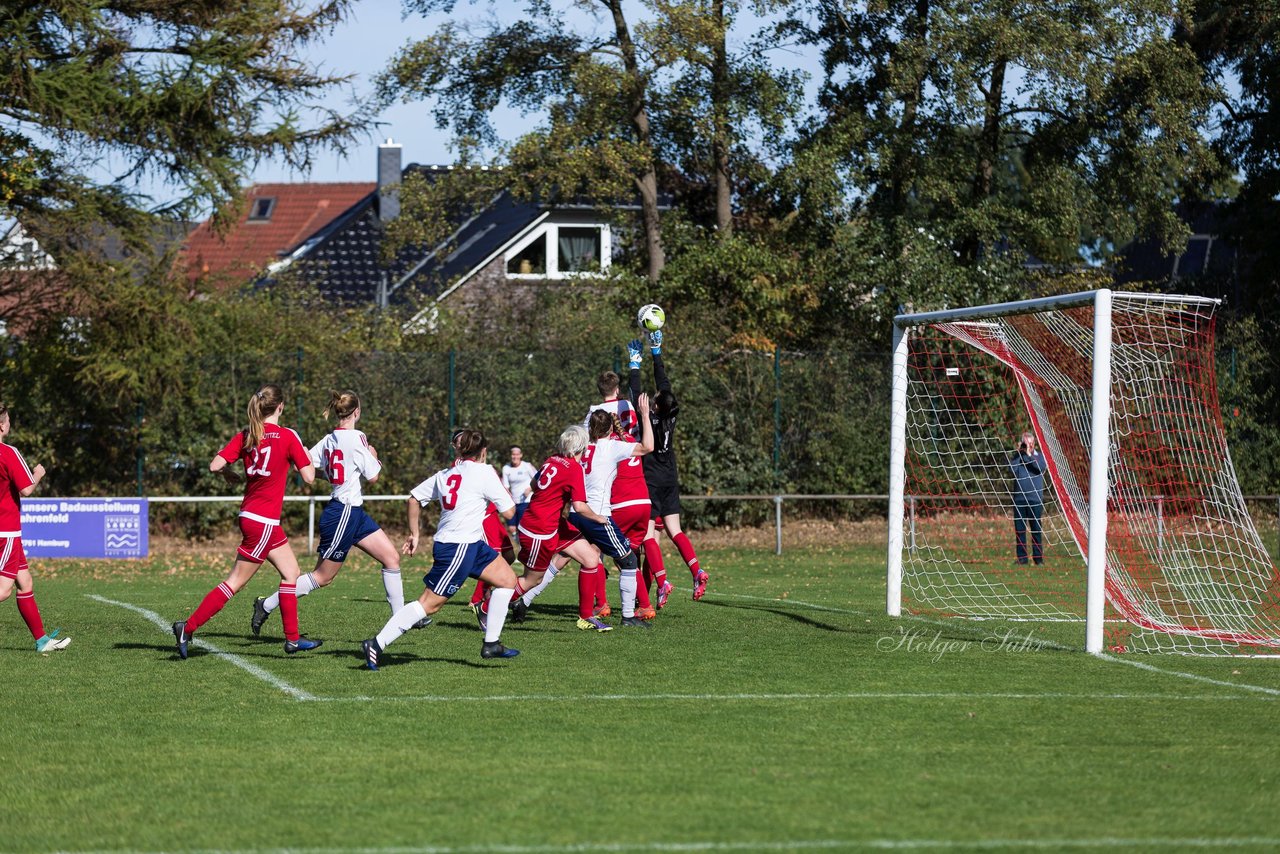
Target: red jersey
(560, 481)
(629, 489)
(266, 468)
(495, 528)
(16, 477)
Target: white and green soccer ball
(651, 317)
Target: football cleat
(421, 624)
(371, 651)
(181, 636)
(594, 623)
(519, 610)
(603, 612)
(497, 650)
(481, 616)
(646, 614)
(51, 641)
(301, 645)
(260, 614)
(636, 622)
(664, 593)
(700, 585)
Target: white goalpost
(1141, 530)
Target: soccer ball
(651, 318)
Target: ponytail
(468, 443)
(342, 404)
(261, 403)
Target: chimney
(388, 177)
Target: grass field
(783, 712)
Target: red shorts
(12, 558)
(633, 520)
(259, 537)
(495, 533)
(536, 554)
(567, 534)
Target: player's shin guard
(687, 553)
(499, 599)
(289, 610)
(31, 613)
(210, 605)
(534, 591)
(587, 590)
(401, 621)
(393, 586)
(653, 565)
(305, 584)
(627, 588)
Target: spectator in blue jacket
(1028, 468)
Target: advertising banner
(84, 527)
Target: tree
(1003, 129)
(190, 93)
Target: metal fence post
(141, 452)
(311, 525)
(777, 524)
(777, 421)
(453, 401)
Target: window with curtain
(579, 249)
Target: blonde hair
(342, 404)
(262, 403)
(573, 441)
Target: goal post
(1125, 515)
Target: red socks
(479, 595)
(213, 602)
(30, 613)
(686, 552)
(653, 566)
(587, 590)
(602, 587)
(289, 610)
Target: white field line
(247, 666)
(1102, 842)
(1043, 644)
(795, 697)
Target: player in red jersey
(495, 534)
(17, 481)
(267, 450)
(560, 482)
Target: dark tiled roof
(1210, 251)
(344, 259)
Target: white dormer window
(560, 250)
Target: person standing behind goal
(1028, 467)
(664, 481)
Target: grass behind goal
(784, 711)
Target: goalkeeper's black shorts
(664, 498)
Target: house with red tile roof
(276, 218)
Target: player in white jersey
(459, 549)
(344, 458)
(601, 464)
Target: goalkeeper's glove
(655, 342)
(634, 350)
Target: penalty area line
(792, 697)
(247, 666)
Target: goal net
(983, 528)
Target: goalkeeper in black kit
(661, 477)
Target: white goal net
(986, 526)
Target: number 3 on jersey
(450, 499)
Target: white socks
(401, 621)
(391, 584)
(499, 599)
(533, 592)
(306, 583)
(627, 586)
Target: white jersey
(601, 462)
(345, 459)
(517, 480)
(620, 407)
(464, 491)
